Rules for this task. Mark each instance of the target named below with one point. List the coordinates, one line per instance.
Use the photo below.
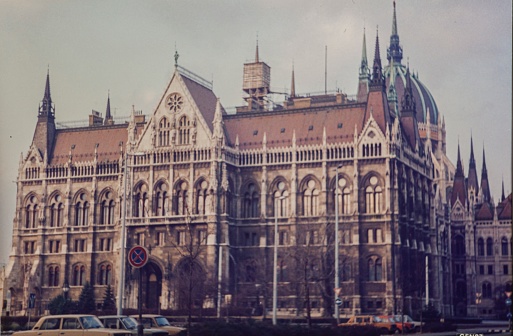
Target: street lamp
(337, 279)
(275, 261)
(65, 289)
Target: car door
(50, 327)
(71, 327)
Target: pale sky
(462, 51)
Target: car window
(91, 322)
(51, 324)
(129, 322)
(162, 321)
(147, 322)
(110, 323)
(71, 323)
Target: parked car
(70, 325)
(384, 325)
(160, 322)
(408, 327)
(130, 324)
(415, 325)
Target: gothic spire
(485, 187)
(472, 172)
(364, 65)
(377, 73)
(459, 191)
(108, 117)
(459, 167)
(46, 109)
(256, 52)
(502, 196)
(293, 84)
(408, 101)
(395, 51)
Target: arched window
(180, 198)
(489, 246)
(81, 210)
(140, 201)
(31, 209)
(280, 200)
(311, 199)
(107, 205)
(374, 269)
(163, 132)
(504, 246)
(184, 131)
(78, 278)
(486, 288)
(104, 274)
(480, 247)
(344, 196)
(459, 246)
(251, 202)
(201, 198)
(373, 196)
(56, 211)
(51, 276)
(161, 200)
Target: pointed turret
(256, 52)
(293, 85)
(45, 127)
(364, 74)
(409, 113)
(503, 197)
(485, 187)
(459, 190)
(395, 51)
(377, 72)
(473, 184)
(108, 117)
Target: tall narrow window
(251, 202)
(180, 198)
(56, 211)
(480, 247)
(161, 199)
(140, 201)
(504, 246)
(184, 131)
(31, 209)
(107, 208)
(164, 132)
(201, 198)
(489, 246)
(311, 199)
(81, 210)
(281, 200)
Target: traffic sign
(32, 300)
(508, 302)
(138, 256)
(338, 302)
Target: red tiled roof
(485, 212)
(85, 140)
(204, 98)
(505, 211)
(279, 126)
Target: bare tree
(190, 245)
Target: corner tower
(45, 128)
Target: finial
(256, 52)
(176, 56)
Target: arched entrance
(151, 285)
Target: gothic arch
(372, 192)
(250, 193)
(279, 197)
(55, 209)
(344, 193)
(190, 277)
(310, 193)
(161, 198)
(106, 206)
(81, 206)
(180, 197)
(140, 200)
(201, 195)
(31, 211)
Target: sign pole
(140, 331)
(138, 257)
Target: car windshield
(162, 321)
(129, 322)
(90, 322)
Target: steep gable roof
(308, 125)
(484, 212)
(84, 141)
(204, 98)
(504, 209)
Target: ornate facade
(203, 189)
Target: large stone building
(202, 190)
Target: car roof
(112, 316)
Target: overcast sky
(460, 49)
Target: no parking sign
(138, 256)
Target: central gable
(183, 116)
